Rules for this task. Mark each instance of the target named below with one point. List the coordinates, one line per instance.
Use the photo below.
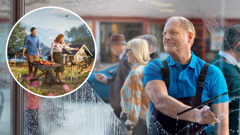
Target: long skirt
(57, 57)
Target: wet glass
(81, 112)
(208, 17)
(5, 91)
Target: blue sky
(50, 22)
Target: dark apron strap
(200, 84)
(165, 73)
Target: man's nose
(167, 36)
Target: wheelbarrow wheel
(49, 79)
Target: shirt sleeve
(232, 76)
(152, 71)
(217, 84)
(131, 98)
(38, 43)
(51, 50)
(25, 42)
(67, 47)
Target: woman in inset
(134, 100)
(56, 55)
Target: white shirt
(229, 58)
(122, 54)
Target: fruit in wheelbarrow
(44, 62)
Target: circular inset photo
(51, 51)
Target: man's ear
(190, 37)
(238, 49)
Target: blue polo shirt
(183, 82)
(31, 44)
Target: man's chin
(168, 50)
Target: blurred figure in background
(228, 61)
(31, 105)
(134, 100)
(118, 48)
(152, 45)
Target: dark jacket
(116, 82)
(154, 55)
(232, 76)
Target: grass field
(72, 79)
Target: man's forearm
(168, 105)
(39, 50)
(23, 52)
(222, 112)
(171, 107)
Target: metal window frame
(17, 96)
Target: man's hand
(205, 116)
(24, 57)
(101, 77)
(40, 55)
(23, 53)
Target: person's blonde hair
(140, 50)
(185, 23)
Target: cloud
(50, 37)
(27, 21)
(58, 12)
(63, 15)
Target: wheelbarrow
(46, 71)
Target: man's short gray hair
(186, 24)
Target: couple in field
(32, 45)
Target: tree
(78, 32)
(80, 35)
(88, 41)
(16, 39)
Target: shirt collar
(122, 54)
(32, 35)
(228, 57)
(136, 66)
(192, 63)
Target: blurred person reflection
(134, 100)
(31, 120)
(228, 62)
(118, 48)
(152, 45)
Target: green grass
(56, 88)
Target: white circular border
(52, 7)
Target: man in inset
(118, 48)
(181, 81)
(32, 45)
(228, 61)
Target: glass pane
(209, 19)
(5, 92)
(82, 112)
(130, 30)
